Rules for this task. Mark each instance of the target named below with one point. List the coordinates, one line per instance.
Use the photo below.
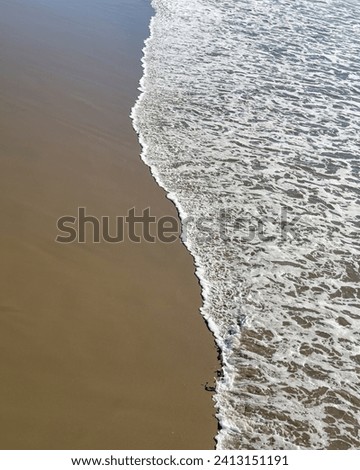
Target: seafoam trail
(249, 117)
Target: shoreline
(181, 215)
(103, 347)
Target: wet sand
(101, 345)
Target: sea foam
(249, 118)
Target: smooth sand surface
(101, 345)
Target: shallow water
(88, 331)
(249, 118)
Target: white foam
(253, 106)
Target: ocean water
(249, 117)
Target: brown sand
(102, 345)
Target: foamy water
(250, 118)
